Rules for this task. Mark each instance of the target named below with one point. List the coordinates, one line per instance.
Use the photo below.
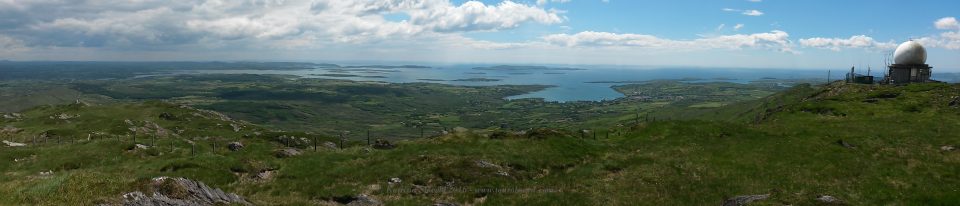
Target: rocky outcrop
(235, 146)
(288, 152)
(181, 191)
(845, 144)
(330, 145)
(10, 130)
(13, 144)
(383, 144)
(829, 200)
(744, 199)
(364, 200)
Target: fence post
(368, 137)
(314, 143)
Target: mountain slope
(864, 145)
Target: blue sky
(732, 33)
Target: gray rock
(845, 144)
(744, 199)
(364, 200)
(394, 181)
(383, 144)
(288, 152)
(264, 175)
(10, 130)
(185, 192)
(13, 144)
(330, 145)
(235, 146)
(140, 147)
(827, 199)
(485, 164)
(445, 204)
(947, 148)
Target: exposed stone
(445, 204)
(845, 144)
(235, 146)
(744, 199)
(264, 175)
(139, 147)
(172, 191)
(64, 116)
(10, 130)
(167, 116)
(364, 200)
(485, 164)
(383, 144)
(827, 199)
(288, 152)
(13, 144)
(947, 148)
(47, 173)
(330, 145)
(395, 180)
(12, 116)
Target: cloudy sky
(728, 33)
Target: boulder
(181, 191)
(235, 146)
(445, 204)
(288, 152)
(264, 175)
(845, 144)
(744, 199)
(485, 164)
(827, 199)
(364, 200)
(10, 130)
(330, 145)
(13, 144)
(383, 144)
(947, 148)
(395, 180)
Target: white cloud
(778, 40)
(752, 13)
(474, 15)
(255, 23)
(947, 40)
(947, 23)
(737, 27)
(749, 12)
(836, 44)
(544, 2)
(755, 0)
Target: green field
(785, 145)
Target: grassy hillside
(866, 145)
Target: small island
(525, 68)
